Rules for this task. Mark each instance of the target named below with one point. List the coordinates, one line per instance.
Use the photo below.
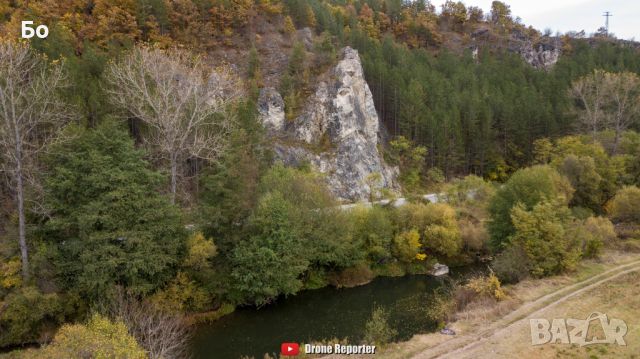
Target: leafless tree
(608, 101)
(623, 92)
(31, 116)
(590, 92)
(181, 101)
(163, 335)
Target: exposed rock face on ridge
(341, 122)
(271, 109)
(542, 53)
(544, 56)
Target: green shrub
(487, 286)
(99, 338)
(271, 261)
(441, 234)
(594, 233)
(410, 159)
(601, 227)
(411, 216)
(26, 314)
(373, 231)
(625, 206)
(581, 212)
(107, 221)
(474, 235)
(436, 222)
(511, 265)
(544, 234)
(377, 329)
(528, 187)
(406, 246)
(469, 191)
(581, 172)
(352, 276)
(435, 177)
(294, 228)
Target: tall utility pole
(607, 15)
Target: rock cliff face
(543, 56)
(542, 53)
(338, 132)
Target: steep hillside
(475, 89)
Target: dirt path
(463, 345)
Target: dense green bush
(272, 260)
(511, 265)
(294, 229)
(332, 242)
(581, 172)
(595, 174)
(374, 231)
(27, 313)
(544, 234)
(107, 220)
(98, 338)
(625, 206)
(471, 191)
(437, 224)
(410, 159)
(527, 187)
(406, 246)
(441, 234)
(594, 233)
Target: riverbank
(324, 315)
(480, 322)
(350, 278)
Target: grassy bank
(479, 316)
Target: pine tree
(108, 224)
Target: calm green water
(322, 314)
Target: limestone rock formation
(542, 53)
(543, 56)
(338, 131)
(271, 110)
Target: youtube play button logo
(289, 349)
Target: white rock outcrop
(543, 56)
(342, 113)
(271, 110)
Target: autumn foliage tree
(116, 22)
(455, 13)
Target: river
(322, 314)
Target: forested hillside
(139, 182)
(475, 113)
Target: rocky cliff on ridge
(338, 131)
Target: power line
(607, 15)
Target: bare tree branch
(163, 335)
(182, 102)
(608, 101)
(31, 115)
